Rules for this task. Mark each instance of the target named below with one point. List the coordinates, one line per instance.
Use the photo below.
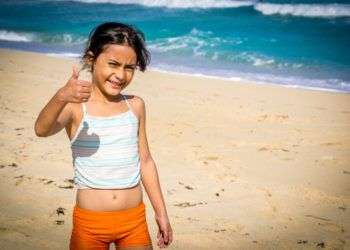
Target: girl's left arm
(150, 181)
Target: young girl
(109, 144)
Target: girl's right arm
(58, 113)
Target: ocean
(296, 43)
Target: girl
(109, 144)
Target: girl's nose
(120, 74)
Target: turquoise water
(297, 43)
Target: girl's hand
(75, 90)
(165, 233)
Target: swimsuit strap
(127, 102)
(84, 109)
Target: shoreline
(232, 79)
(200, 75)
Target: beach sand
(242, 165)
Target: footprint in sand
(13, 165)
(346, 172)
(268, 196)
(264, 149)
(262, 118)
(186, 186)
(209, 158)
(5, 230)
(66, 186)
(59, 222)
(332, 226)
(281, 117)
(171, 191)
(325, 222)
(219, 230)
(69, 184)
(192, 219)
(21, 178)
(188, 204)
(302, 241)
(45, 181)
(271, 149)
(343, 208)
(272, 118)
(321, 245)
(331, 144)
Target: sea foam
(306, 10)
(15, 36)
(178, 3)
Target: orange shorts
(97, 229)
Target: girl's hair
(116, 33)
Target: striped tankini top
(105, 151)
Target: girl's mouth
(114, 84)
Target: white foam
(203, 4)
(306, 10)
(64, 55)
(254, 59)
(196, 43)
(64, 39)
(165, 46)
(289, 82)
(194, 40)
(215, 56)
(7, 35)
(16, 36)
(262, 62)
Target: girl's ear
(90, 58)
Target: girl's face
(114, 69)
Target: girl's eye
(113, 64)
(130, 68)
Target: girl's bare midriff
(109, 199)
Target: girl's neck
(98, 96)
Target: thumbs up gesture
(76, 90)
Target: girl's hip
(104, 217)
(96, 229)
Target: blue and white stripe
(105, 151)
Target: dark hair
(116, 33)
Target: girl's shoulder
(76, 110)
(137, 104)
(75, 114)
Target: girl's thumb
(75, 73)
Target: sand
(242, 165)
